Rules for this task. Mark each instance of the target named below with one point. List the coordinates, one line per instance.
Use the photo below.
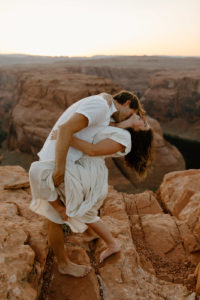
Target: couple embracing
(70, 181)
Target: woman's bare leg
(56, 241)
(101, 229)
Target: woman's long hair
(140, 157)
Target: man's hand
(62, 211)
(57, 178)
(60, 208)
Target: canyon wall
(173, 98)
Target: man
(83, 119)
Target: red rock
(128, 280)
(24, 250)
(17, 185)
(180, 194)
(162, 236)
(163, 242)
(43, 95)
(180, 190)
(23, 240)
(174, 100)
(197, 275)
(69, 287)
(143, 203)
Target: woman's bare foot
(116, 247)
(69, 268)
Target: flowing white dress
(84, 188)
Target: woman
(86, 182)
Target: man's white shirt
(98, 112)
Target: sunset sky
(91, 27)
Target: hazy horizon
(91, 28)
(100, 55)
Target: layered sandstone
(23, 243)
(132, 79)
(180, 195)
(173, 98)
(162, 240)
(43, 95)
(130, 72)
(153, 262)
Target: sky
(103, 27)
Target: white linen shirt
(98, 112)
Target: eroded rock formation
(173, 98)
(43, 95)
(154, 262)
(180, 195)
(23, 243)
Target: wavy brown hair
(124, 96)
(141, 155)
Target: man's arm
(76, 123)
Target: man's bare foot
(109, 251)
(69, 268)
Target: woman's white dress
(84, 188)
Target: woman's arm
(104, 147)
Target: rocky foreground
(160, 245)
